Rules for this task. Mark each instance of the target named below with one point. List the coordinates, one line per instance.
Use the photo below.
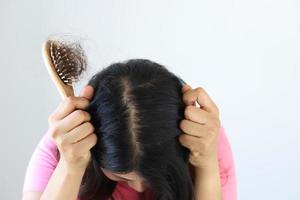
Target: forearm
(207, 183)
(63, 185)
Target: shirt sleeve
(226, 167)
(42, 163)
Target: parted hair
(136, 110)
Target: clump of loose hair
(68, 59)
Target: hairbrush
(65, 61)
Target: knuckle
(182, 138)
(200, 89)
(94, 138)
(90, 126)
(182, 124)
(70, 100)
(86, 101)
(54, 129)
(188, 110)
(82, 115)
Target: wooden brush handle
(64, 90)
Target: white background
(244, 53)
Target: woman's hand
(201, 127)
(72, 132)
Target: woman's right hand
(70, 127)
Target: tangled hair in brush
(136, 110)
(68, 58)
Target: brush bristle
(69, 60)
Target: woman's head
(136, 110)
(132, 179)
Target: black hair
(136, 110)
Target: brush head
(68, 59)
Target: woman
(134, 133)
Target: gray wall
(244, 53)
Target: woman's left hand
(201, 127)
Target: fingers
(87, 92)
(86, 143)
(201, 97)
(67, 106)
(71, 121)
(79, 133)
(193, 143)
(193, 128)
(72, 103)
(196, 115)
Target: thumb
(87, 92)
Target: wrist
(68, 169)
(209, 166)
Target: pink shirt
(43, 162)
